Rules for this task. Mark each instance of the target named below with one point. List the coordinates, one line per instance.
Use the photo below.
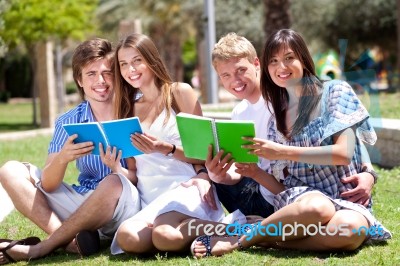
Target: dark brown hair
(86, 53)
(279, 98)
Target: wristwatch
(171, 153)
(366, 169)
(202, 170)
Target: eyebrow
(91, 72)
(288, 53)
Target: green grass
(15, 117)
(387, 209)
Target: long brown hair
(279, 97)
(125, 94)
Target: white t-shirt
(260, 114)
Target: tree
(363, 23)
(32, 23)
(168, 23)
(277, 16)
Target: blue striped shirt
(91, 169)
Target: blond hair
(232, 46)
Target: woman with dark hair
(314, 140)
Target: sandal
(29, 241)
(88, 242)
(26, 241)
(206, 240)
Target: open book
(198, 132)
(114, 133)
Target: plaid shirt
(340, 109)
(91, 169)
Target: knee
(353, 229)
(111, 185)
(11, 171)
(165, 238)
(317, 208)
(127, 239)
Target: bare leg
(174, 231)
(27, 199)
(310, 209)
(135, 237)
(91, 215)
(350, 241)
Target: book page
(118, 133)
(196, 134)
(230, 133)
(87, 132)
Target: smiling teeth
(239, 88)
(284, 75)
(134, 77)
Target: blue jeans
(245, 196)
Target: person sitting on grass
(71, 215)
(314, 140)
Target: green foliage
(17, 74)
(30, 21)
(363, 23)
(70, 88)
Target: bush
(4, 96)
(70, 88)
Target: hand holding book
(198, 132)
(111, 158)
(264, 148)
(114, 133)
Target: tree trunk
(44, 81)
(59, 80)
(397, 70)
(170, 48)
(276, 16)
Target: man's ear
(80, 83)
(257, 63)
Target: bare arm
(188, 103)
(56, 163)
(253, 171)
(340, 153)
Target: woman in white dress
(143, 88)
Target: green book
(114, 133)
(198, 132)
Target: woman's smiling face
(285, 68)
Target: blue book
(114, 133)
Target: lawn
(386, 209)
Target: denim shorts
(245, 196)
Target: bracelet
(202, 170)
(374, 174)
(172, 151)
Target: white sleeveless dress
(159, 179)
